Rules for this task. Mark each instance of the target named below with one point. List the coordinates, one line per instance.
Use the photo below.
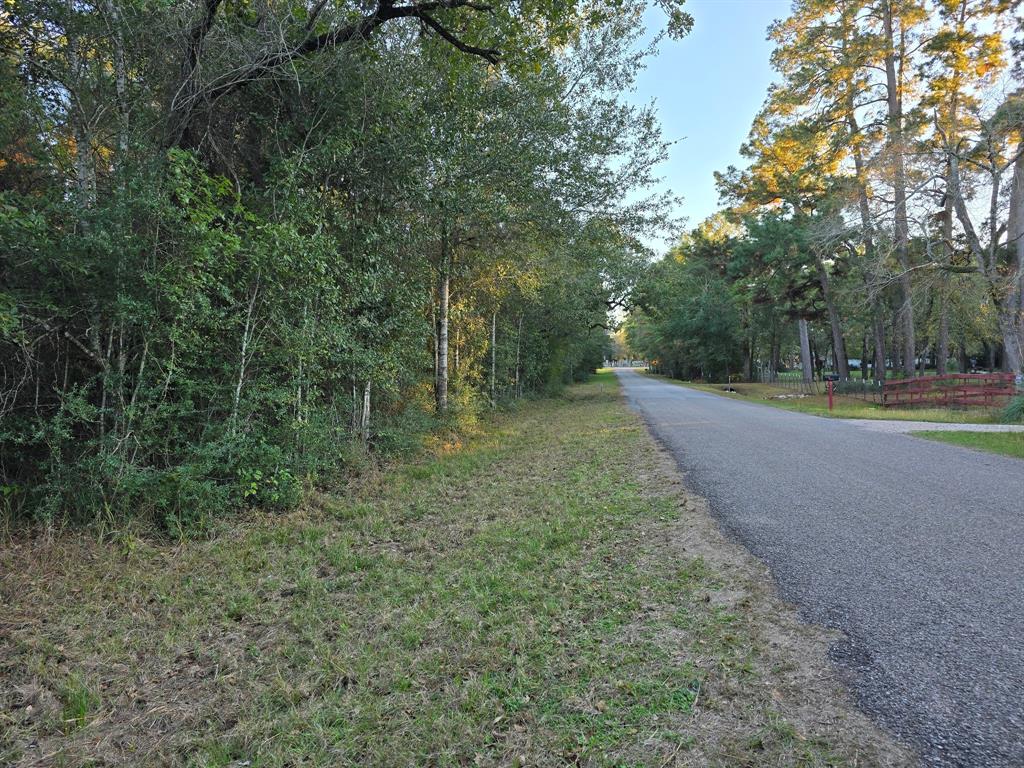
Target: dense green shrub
(195, 301)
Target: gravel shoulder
(905, 427)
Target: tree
(232, 223)
(688, 320)
(997, 151)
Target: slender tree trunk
(1003, 293)
(246, 354)
(441, 388)
(878, 330)
(923, 341)
(1014, 332)
(120, 75)
(897, 351)
(877, 318)
(942, 340)
(776, 354)
(364, 421)
(85, 169)
(519, 339)
(807, 367)
(864, 358)
(836, 324)
(894, 103)
(942, 334)
(494, 355)
(434, 326)
(354, 422)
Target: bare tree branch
(190, 94)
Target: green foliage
(1006, 443)
(80, 700)
(689, 323)
(522, 581)
(1014, 411)
(197, 305)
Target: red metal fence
(984, 389)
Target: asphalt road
(915, 549)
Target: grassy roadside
(1006, 443)
(844, 407)
(545, 594)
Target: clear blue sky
(708, 87)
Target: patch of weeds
(239, 606)
(79, 699)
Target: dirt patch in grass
(547, 594)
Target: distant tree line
(881, 218)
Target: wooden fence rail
(982, 389)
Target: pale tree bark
(114, 22)
(1004, 291)
(894, 104)
(942, 342)
(1015, 231)
(354, 423)
(494, 350)
(443, 288)
(835, 323)
(942, 338)
(248, 332)
(776, 353)
(364, 420)
(434, 326)
(519, 339)
(85, 168)
(942, 335)
(878, 331)
(807, 367)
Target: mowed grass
(1006, 443)
(524, 598)
(843, 407)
